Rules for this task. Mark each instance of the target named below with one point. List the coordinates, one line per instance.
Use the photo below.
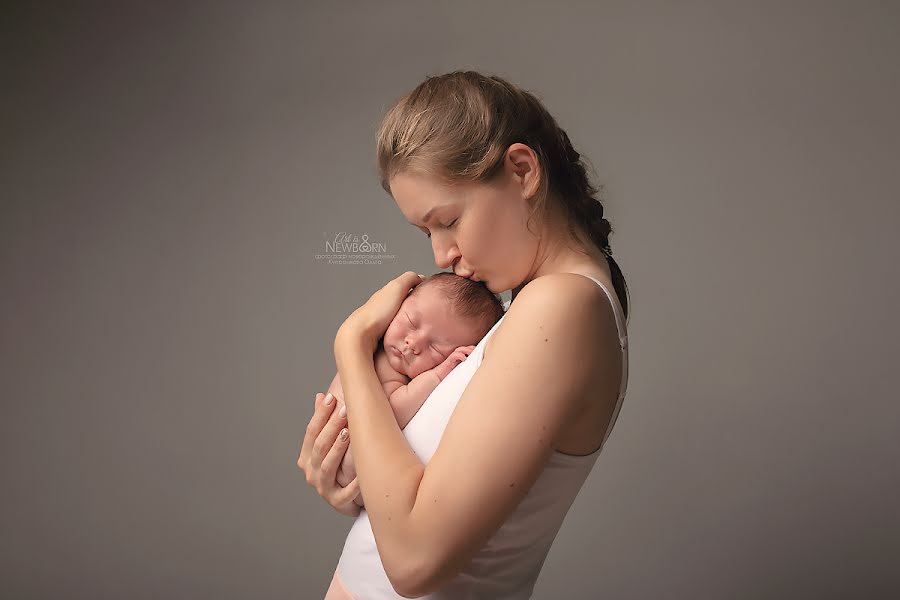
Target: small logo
(353, 249)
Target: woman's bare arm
(428, 521)
(507, 421)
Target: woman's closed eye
(447, 226)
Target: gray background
(169, 171)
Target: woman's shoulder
(569, 302)
(557, 285)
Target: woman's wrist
(353, 336)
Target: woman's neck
(559, 252)
(569, 260)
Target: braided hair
(583, 207)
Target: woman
(465, 502)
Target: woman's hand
(367, 324)
(321, 455)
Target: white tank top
(508, 565)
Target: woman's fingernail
(344, 434)
(343, 412)
(420, 276)
(328, 398)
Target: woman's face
(477, 229)
(425, 332)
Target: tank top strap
(623, 344)
(617, 309)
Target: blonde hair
(457, 127)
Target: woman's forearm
(389, 471)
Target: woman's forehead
(419, 198)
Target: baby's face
(425, 332)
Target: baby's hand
(456, 357)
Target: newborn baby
(436, 328)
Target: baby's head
(442, 313)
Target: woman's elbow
(426, 578)
(410, 580)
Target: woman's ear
(525, 169)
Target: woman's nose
(444, 253)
